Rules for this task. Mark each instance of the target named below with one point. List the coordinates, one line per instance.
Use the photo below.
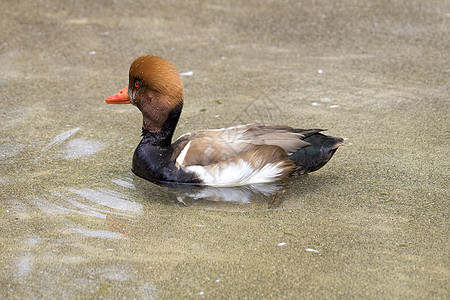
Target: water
(373, 223)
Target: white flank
(233, 174)
(181, 157)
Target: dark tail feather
(314, 157)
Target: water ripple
(81, 147)
(108, 198)
(61, 138)
(103, 234)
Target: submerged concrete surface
(373, 223)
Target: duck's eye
(136, 84)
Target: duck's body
(237, 155)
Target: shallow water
(372, 223)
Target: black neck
(163, 138)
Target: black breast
(153, 163)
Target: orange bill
(119, 98)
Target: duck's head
(155, 88)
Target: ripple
(124, 183)
(115, 274)
(60, 138)
(108, 198)
(8, 150)
(103, 234)
(24, 265)
(81, 147)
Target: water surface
(372, 223)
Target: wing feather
(207, 147)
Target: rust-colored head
(154, 87)
(157, 74)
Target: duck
(233, 156)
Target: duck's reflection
(260, 196)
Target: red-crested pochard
(238, 155)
